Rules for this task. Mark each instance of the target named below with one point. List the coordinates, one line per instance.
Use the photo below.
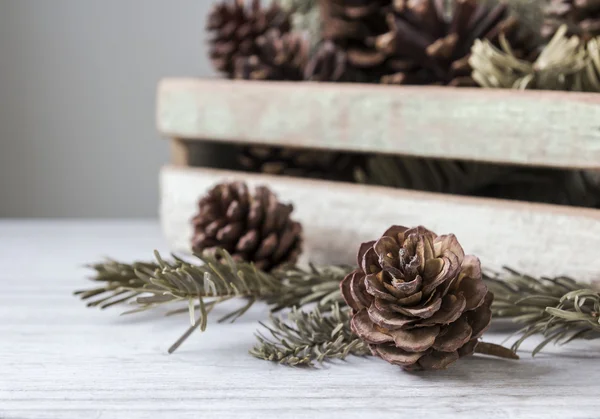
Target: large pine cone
(581, 16)
(417, 300)
(235, 26)
(426, 47)
(278, 57)
(255, 228)
(353, 25)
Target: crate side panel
(535, 238)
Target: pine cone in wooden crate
(251, 227)
(425, 46)
(353, 25)
(318, 164)
(279, 56)
(235, 26)
(581, 16)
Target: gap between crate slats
(534, 238)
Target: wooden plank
(61, 360)
(555, 129)
(536, 238)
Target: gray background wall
(77, 97)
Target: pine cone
(255, 228)
(581, 16)
(417, 300)
(299, 163)
(353, 25)
(278, 57)
(330, 63)
(236, 27)
(426, 47)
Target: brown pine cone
(278, 57)
(299, 163)
(235, 26)
(353, 25)
(417, 300)
(255, 228)
(330, 63)
(582, 18)
(426, 47)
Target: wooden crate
(543, 129)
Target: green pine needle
(305, 337)
(213, 279)
(560, 309)
(320, 285)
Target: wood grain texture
(556, 129)
(60, 360)
(337, 217)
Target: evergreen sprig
(210, 280)
(305, 337)
(320, 285)
(114, 278)
(560, 309)
(214, 279)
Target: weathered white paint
(540, 128)
(60, 360)
(337, 217)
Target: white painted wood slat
(535, 238)
(537, 128)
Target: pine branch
(560, 309)
(305, 337)
(215, 279)
(319, 285)
(114, 277)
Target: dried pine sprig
(213, 279)
(216, 279)
(114, 277)
(566, 63)
(319, 285)
(305, 337)
(560, 309)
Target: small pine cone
(278, 57)
(330, 63)
(299, 163)
(582, 18)
(426, 47)
(235, 26)
(417, 299)
(353, 25)
(255, 228)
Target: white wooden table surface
(59, 359)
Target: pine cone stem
(498, 351)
